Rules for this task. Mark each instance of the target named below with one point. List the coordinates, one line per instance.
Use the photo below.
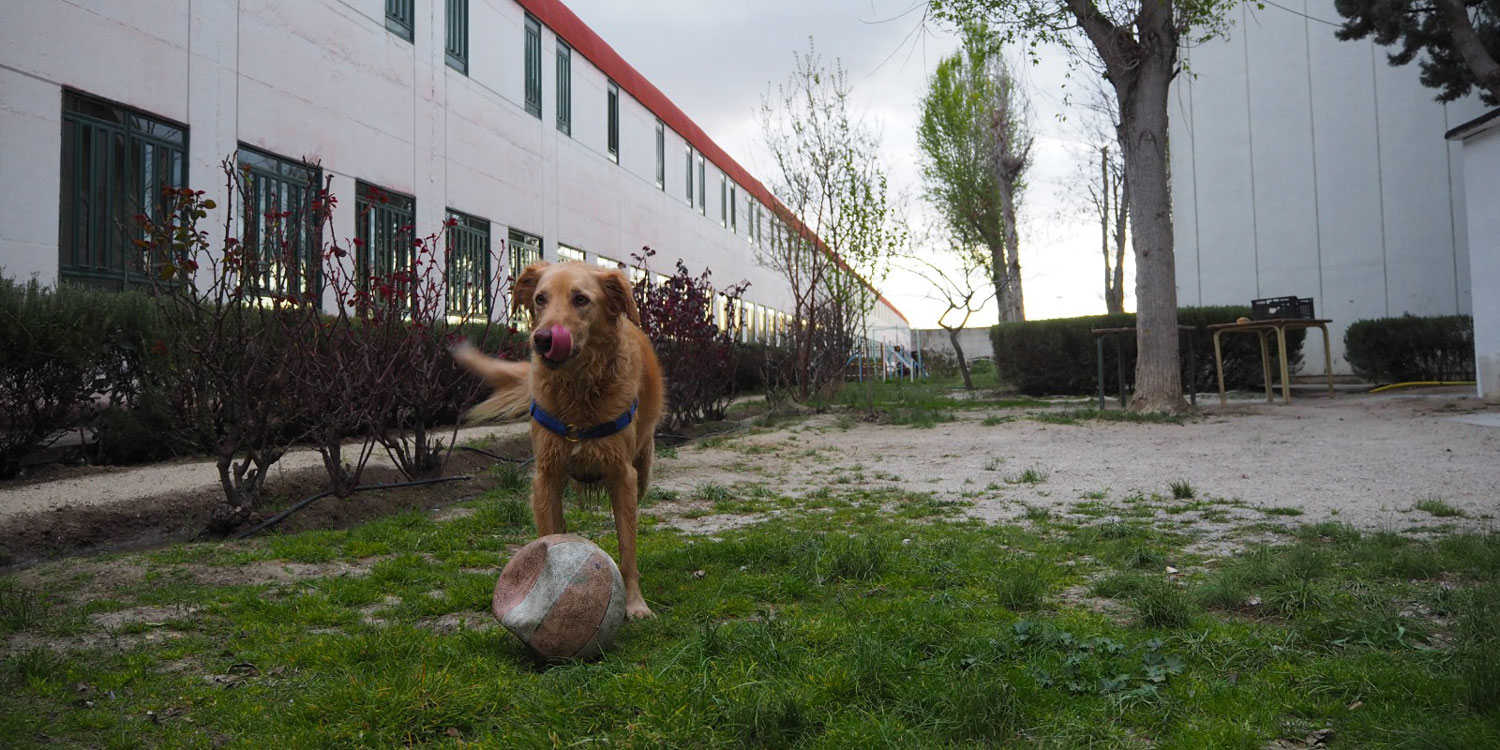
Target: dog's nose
(542, 340)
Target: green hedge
(1411, 348)
(1057, 357)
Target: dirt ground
(68, 510)
(1366, 460)
(1361, 459)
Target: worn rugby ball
(562, 596)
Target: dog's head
(572, 304)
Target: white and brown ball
(562, 596)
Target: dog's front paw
(637, 610)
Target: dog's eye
(541, 300)
(579, 300)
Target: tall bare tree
(838, 241)
(1135, 44)
(976, 138)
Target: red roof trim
(563, 22)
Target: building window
(281, 225)
(751, 219)
(702, 188)
(723, 201)
(564, 88)
(400, 17)
(534, 67)
(614, 122)
(603, 262)
(525, 249)
(734, 209)
(661, 155)
(565, 253)
(688, 150)
(457, 48)
(383, 239)
(468, 251)
(116, 162)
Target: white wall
(325, 81)
(1481, 173)
(1303, 165)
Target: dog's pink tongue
(562, 344)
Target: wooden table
(1100, 334)
(1264, 328)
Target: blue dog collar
(572, 433)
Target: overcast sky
(716, 59)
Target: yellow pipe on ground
(1420, 384)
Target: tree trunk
(1122, 219)
(1143, 107)
(1104, 217)
(1007, 261)
(963, 364)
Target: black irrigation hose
(495, 456)
(283, 515)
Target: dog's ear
(617, 295)
(523, 290)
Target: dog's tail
(511, 382)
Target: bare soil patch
(1360, 459)
(94, 509)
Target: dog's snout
(542, 340)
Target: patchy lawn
(863, 606)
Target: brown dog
(594, 390)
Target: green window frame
(525, 249)
(612, 103)
(534, 67)
(116, 163)
(564, 88)
(280, 224)
(468, 263)
(661, 155)
(456, 48)
(400, 17)
(384, 234)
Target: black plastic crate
(1281, 307)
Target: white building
(1303, 165)
(512, 117)
(1480, 139)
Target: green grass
(1438, 507)
(858, 619)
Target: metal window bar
(385, 234)
(457, 48)
(661, 155)
(525, 249)
(533, 67)
(115, 165)
(400, 17)
(613, 101)
(564, 88)
(280, 225)
(468, 251)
